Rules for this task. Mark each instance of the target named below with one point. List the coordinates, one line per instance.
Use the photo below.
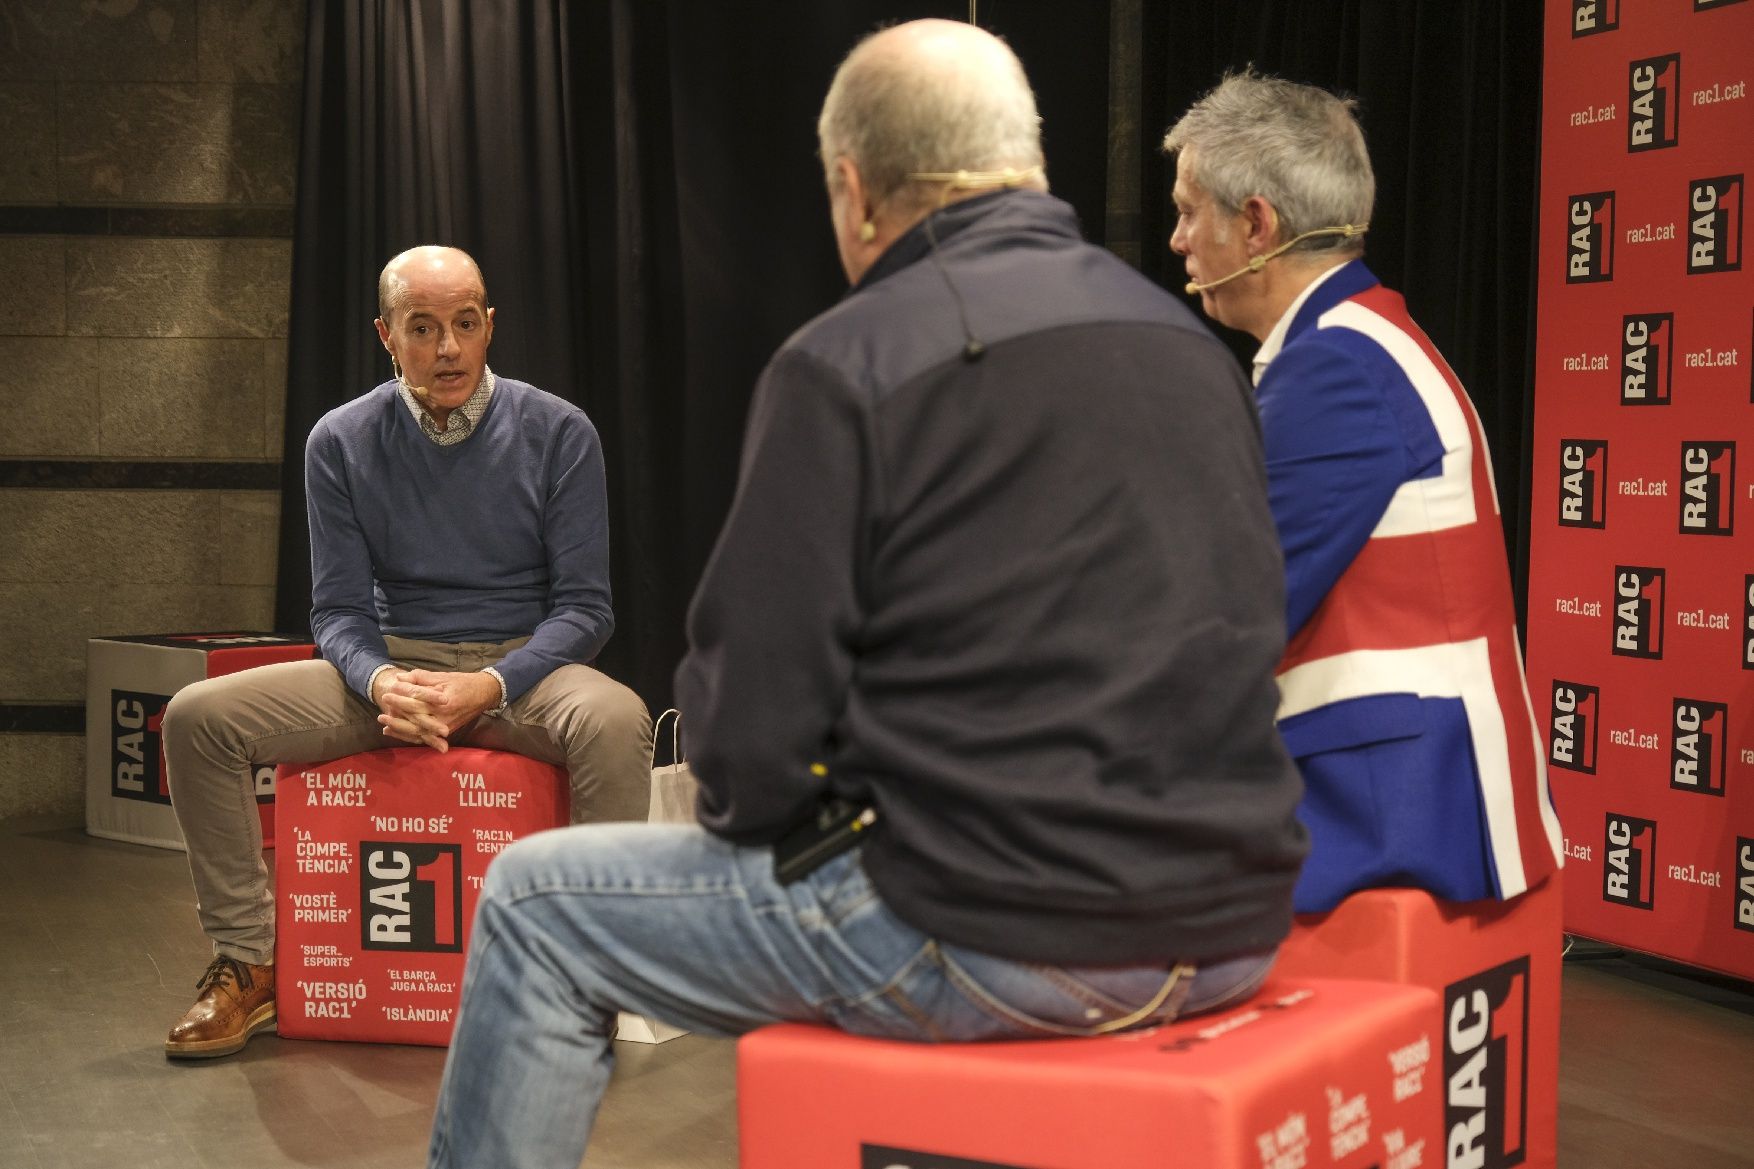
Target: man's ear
(383, 331)
(1262, 223)
(857, 197)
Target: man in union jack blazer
(1401, 692)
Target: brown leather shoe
(237, 1000)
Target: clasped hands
(428, 706)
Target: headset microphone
(1258, 262)
(422, 394)
(1254, 265)
(973, 348)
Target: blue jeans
(668, 921)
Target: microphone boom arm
(1256, 263)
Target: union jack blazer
(1402, 693)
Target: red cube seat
(1307, 1073)
(380, 863)
(1495, 966)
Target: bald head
(429, 262)
(929, 96)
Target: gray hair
(1297, 146)
(929, 96)
(393, 287)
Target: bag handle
(675, 737)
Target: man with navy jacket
(979, 683)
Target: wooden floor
(99, 952)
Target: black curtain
(639, 183)
(426, 121)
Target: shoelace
(219, 967)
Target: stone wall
(145, 224)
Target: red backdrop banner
(1641, 581)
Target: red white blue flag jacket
(1402, 689)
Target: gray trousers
(217, 731)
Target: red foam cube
(1307, 1073)
(380, 864)
(1496, 968)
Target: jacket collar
(1000, 211)
(1347, 281)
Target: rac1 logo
(1714, 225)
(1629, 871)
(1571, 743)
(1653, 94)
(1589, 256)
(1698, 751)
(1744, 883)
(1583, 483)
(1486, 1067)
(137, 770)
(1647, 359)
(411, 896)
(1638, 611)
(1708, 488)
(1589, 17)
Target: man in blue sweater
(997, 600)
(459, 587)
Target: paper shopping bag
(673, 785)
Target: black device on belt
(837, 826)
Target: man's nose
(1178, 242)
(447, 346)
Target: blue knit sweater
(503, 535)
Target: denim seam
(993, 1005)
(892, 993)
(553, 888)
(484, 938)
(827, 901)
(1235, 994)
(897, 998)
(839, 920)
(1076, 988)
(891, 987)
(985, 1001)
(825, 992)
